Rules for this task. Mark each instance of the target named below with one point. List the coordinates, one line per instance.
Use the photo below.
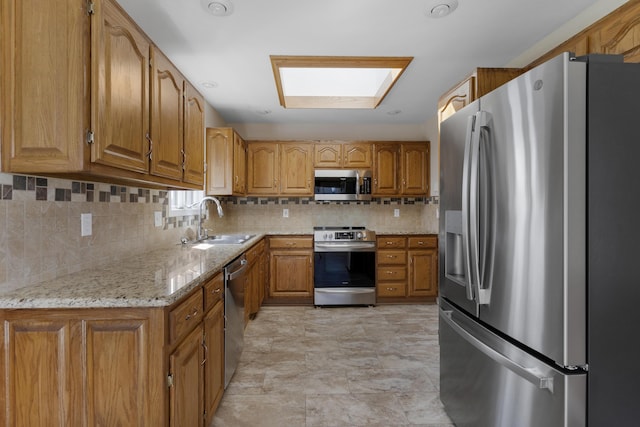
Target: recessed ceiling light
(442, 9)
(218, 7)
(209, 85)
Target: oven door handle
(351, 247)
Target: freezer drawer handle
(530, 374)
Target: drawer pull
(194, 314)
(216, 291)
(391, 289)
(421, 243)
(392, 256)
(389, 243)
(392, 272)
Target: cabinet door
(214, 364)
(41, 370)
(44, 111)
(186, 393)
(120, 89)
(193, 136)
(291, 273)
(167, 125)
(220, 151)
(296, 169)
(357, 155)
(262, 168)
(117, 373)
(385, 172)
(423, 272)
(415, 169)
(327, 155)
(619, 36)
(239, 165)
(456, 98)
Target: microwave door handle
(357, 184)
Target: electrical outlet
(85, 224)
(396, 213)
(285, 213)
(157, 218)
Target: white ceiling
(233, 51)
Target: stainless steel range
(344, 266)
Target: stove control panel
(345, 234)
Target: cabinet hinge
(90, 137)
(169, 381)
(90, 9)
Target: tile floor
(341, 366)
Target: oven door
(344, 273)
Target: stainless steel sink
(226, 239)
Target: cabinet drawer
(293, 242)
(423, 242)
(391, 273)
(392, 242)
(213, 291)
(392, 257)
(391, 289)
(185, 317)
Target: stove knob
(327, 236)
(359, 235)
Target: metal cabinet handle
(206, 353)
(148, 138)
(216, 291)
(193, 314)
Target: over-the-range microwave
(342, 184)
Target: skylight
(335, 82)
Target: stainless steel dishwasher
(234, 284)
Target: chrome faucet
(200, 204)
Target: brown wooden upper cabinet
(401, 169)
(279, 168)
(480, 82)
(226, 162)
(100, 92)
(352, 155)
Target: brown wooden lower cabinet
(82, 367)
(407, 268)
(290, 269)
(187, 382)
(114, 366)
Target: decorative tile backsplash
(40, 222)
(40, 226)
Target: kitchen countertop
(153, 279)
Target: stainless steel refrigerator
(539, 290)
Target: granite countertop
(153, 279)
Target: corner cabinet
(95, 95)
(401, 169)
(226, 162)
(407, 268)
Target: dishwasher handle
(232, 275)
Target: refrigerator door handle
(483, 295)
(530, 374)
(466, 176)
